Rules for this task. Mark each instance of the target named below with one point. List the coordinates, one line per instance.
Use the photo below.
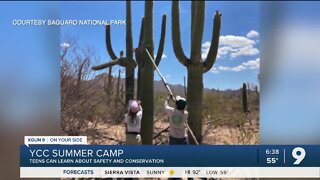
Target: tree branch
(160, 132)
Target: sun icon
(171, 172)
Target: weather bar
(167, 172)
(169, 161)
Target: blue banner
(169, 156)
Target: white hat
(178, 98)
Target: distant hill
(101, 80)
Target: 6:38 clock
(272, 151)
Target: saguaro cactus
(244, 98)
(128, 62)
(118, 90)
(140, 50)
(108, 82)
(147, 70)
(195, 65)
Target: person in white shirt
(177, 121)
(133, 122)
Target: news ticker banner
(49, 158)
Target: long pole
(170, 92)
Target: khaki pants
(133, 139)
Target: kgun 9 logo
(299, 154)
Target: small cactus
(244, 98)
(118, 90)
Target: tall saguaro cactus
(195, 65)
(145, 66)
(128, 62)
(244, 98)
(140, 50)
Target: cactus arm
(120, 62)
(105, 65)
(176, 40)
(197, 33)
(162, 38)
(212, 54)
(108, 43)
(193, 7)
(110, 64)
(149, 26)
(138, 51)
(141, 37)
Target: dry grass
(224, 123)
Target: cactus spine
(244, 98)
(195, 65)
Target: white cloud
(163, 56)
(168, 76)
(234, 69)
(234, 46)
(65, 45)
(252, 65)
(253, 34)
(235, 41)
(214, 70)
(245, 51)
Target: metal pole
(170, 92)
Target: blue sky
(238, 60)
